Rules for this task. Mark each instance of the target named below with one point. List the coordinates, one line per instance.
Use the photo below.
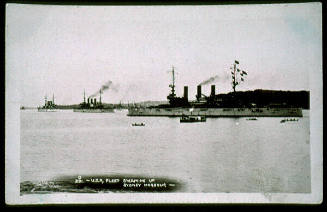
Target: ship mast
(173, 85)
(100, 95)
(236, 71)
(172, 96)
(234, 76)
(84, 95)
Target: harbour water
(219, 155)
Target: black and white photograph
(163, 104)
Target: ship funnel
(91, 101)
(198, 95)
(95, 101)
(186, 92)
(88, 100)
(213, 90)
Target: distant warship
(49, 106)
(92, 106)
(230, 105)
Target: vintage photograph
(112, 104)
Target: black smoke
(224, 77)
(106, 86)
(210, 80)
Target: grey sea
(219, 155)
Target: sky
(62, 50)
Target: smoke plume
(105, 87)
(210, 80)
(224, 78)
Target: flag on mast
(237, 62)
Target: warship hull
(46, 110)
(94, 110)
(217, 112)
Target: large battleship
(225, 105)
(92, 106)
(49, 106)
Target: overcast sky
(65, 49)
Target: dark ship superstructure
(93, 106)
(234, 104)
(49, 106)
(175, 101)
(91, 103)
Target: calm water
(220, 155)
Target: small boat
(292, 119)
(252, 119)
(193, 118)
(138, 124)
